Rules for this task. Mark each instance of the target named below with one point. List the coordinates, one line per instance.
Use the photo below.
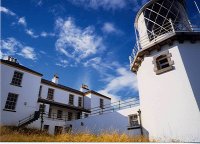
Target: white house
(29, 100)
(166, 61)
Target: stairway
(29, 119)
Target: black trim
(131, 128)
(44, 81)
(62, 105)
(16, 65)
(15, 85)
(9, 110)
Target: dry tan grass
(12, 134)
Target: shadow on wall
(190, 56)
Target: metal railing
(30, 118)
(160, 33)
(112, 107)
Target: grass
(12, 134)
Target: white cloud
(22, 21)
(63, 63)
(45, 34)
(110, 28)
(75, 42)
(31, 33)
(124, 80)
(6, 11)
(28, 53)
(11, 46)
(105, 4)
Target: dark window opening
(11, 101)
(59, 114)
(71, 99)
(17, 78)
(50, 95)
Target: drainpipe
(139, 113)
(42, 120)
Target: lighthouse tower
(166, 60)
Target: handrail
(26, 119)
(119, 105)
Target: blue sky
(83, 41)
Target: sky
(82, 41)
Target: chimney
(55, 79)
(84, 88)
(12, 59)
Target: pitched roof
(96, 93)
(16, 65)
(44, 81)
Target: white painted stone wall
(109, 122)
(60, 95)
(169, 101)
(26, 94)
(95, 100)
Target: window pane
(17, 78)
(11, 101)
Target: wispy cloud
(31, 33)
(110, 28)
(22, 21)
(46, 34)
(6, 11)
(123, 80)
(75, 42)
(110, 4)
(105, 4)
(63, 63)
(11, 46)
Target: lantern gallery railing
(164, 32)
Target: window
(11, 101)
(133, 120)
(78, 115)
(69, 116)
(71, 99)
(42, 108)
(40, 91)
(101, 103)
(46, 128)
(80, 101)
(163, 63)
(17, 78)
(50, 111)
(86, 115)
(58, 130)
(59, 114)
(50, 94)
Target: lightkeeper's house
(28, 100)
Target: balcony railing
(167, 30)
(119, 105)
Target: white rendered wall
(109, 122)
(168, 105)
(26, 94)
(60, 95)
(95, 101)
(51, 122)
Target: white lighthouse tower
(166, 60)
